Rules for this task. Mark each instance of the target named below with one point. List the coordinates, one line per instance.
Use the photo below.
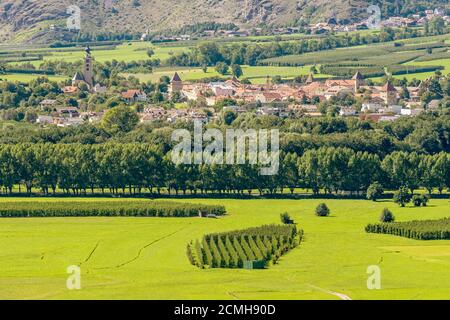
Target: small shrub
(322, 210)
(286, 218)
(417, 200)
(375, 191)
(402, 196)
(425, 199)
(387, 216)
(420, 200)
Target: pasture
(256, 74)
(22, 77)
(128, 51)
(338, 62)
(145, 258)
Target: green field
(424, 75)
(257, 74)
(127, 51)
(377, 54)
(22, 77)
(145, 258)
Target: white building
(347, 111)
(44, 120)
(371, 107)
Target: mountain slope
(25, 20)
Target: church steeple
(88, 72)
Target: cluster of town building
(381, 103)
(283, 100)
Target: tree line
(136, 168)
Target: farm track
(141, 250)
(337, 294)
(90, 254)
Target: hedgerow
(233, 249)
(420, 230)
(107, 209)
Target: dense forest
(329, 154)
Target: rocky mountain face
(29, 20)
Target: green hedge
(236, 249)
(420, 230)
(106, 209)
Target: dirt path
(90, 254)
(138, 255)
(337, 294)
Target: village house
(67, 122)
(378, 117)
(153, 114)
(303, 108)
(70, 90)
(392, 109)
(222, 89)
(131, 96)
(411, 112)
(99, 88)
(433, 104)
(236, 109)
(48, 104)
(347, 111)
(44, 120)
(371, 107)
(91, 116)
(268, 97)
(67, 112)
(273, 111)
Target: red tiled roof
(131, 94)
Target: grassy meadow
(256, 74)
(145, 258)
(22, 77)
(376, 54)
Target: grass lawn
(128, 51)
(256, 74)
(145, 258)
(21, 77)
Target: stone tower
(310, 79)
(359, 80)
(176, 84)
(88, 72)
(389, 94)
